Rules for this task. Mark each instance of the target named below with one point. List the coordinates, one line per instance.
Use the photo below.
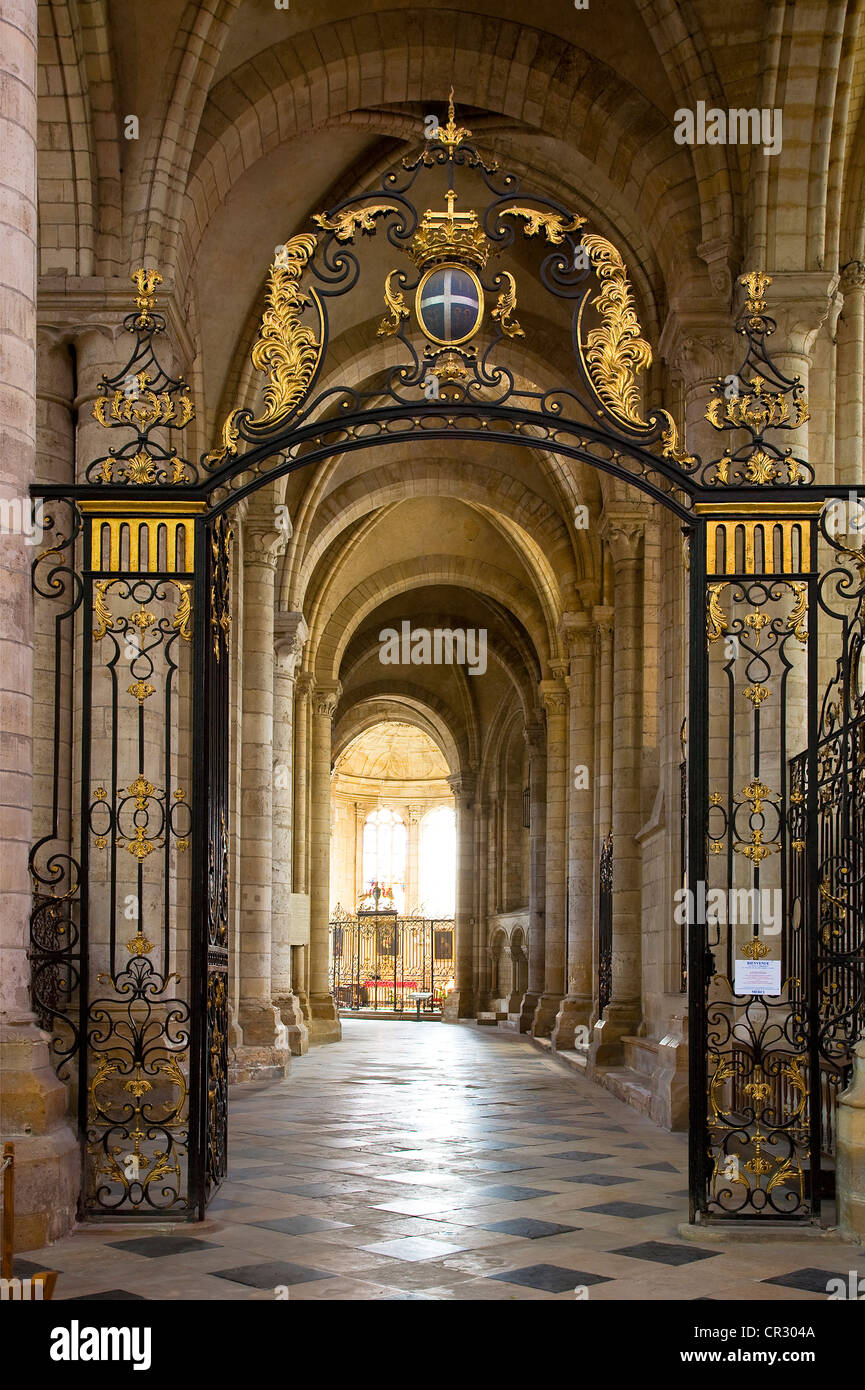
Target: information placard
(758, 977)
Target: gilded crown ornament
(450, 236)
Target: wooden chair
(36, 1287)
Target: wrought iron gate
(379, 960)
(129, 947)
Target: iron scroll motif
(477, 387)
(148, 533)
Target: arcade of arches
(249, 120)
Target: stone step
(641, 1056)
(630, 1086)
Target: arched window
(385, 841)
(438, 862)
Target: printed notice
(758, 977)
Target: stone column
(304, 686)
(324, 1025)
(482, 960)
(576, 1007)
(461, 1003)
(290, 634)
(360, 815)
(800, 302)
(555, 697)
(850, 379)
(412, 883)
(623, 531)
(537, 745)
(264, 1053)
(47, 1172)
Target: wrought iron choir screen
(130, 925)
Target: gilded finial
(756, 283)
(146, 282)
(452, 134)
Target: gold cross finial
(451, 134)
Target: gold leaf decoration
(286, 349)
(507, 302)
(344, 224)
(716, 618)
(614, 353)
(397, 307)
(796, 620)
(146, 409)
(553, 224)
(670, 442)
(761, 468)
(183, 616)
(101, 611)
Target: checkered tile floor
(419, 1162)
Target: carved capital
(326, 697)
(305, 685)
(535, 735)
(800, 302)
(575, 633)
(289, 638)
(698, 346)
(603, 621)
(463, 785)
(263, 544)
(555, 696)
(720, 258)
(852, 278)
(623, 532)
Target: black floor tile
(598, 1179)
(157, 1247)
(663, 1254)
(319, 1189)
(506, 1193)
(301, 1225)
(272, 1272)
(529, 1229)
(658, 1168)
(812, 1280)
(632, 1210)
(550, 1278)
(24, 1269)
(577, 1156)
(109, 1296)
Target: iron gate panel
(377, 959)
(141, 548)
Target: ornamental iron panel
(129, 948)
(380, 960)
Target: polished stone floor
(421, 1161)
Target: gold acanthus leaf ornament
(397, 308)
(554, 225)
(614, 353)
(146, 408)
(286, 349)
(716, 618)
(799, 612)
(507, 303)
(344, 224)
